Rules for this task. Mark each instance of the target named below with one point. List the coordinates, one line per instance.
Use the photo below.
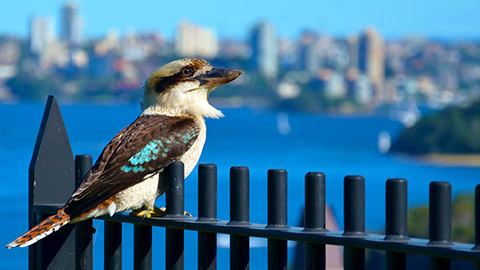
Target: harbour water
(257, 138)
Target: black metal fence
(54, 174)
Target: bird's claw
(149, 212)
(185, 213)
(154, 212)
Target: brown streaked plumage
(171, 127)
(106, 177)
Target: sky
(233, 19)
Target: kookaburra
(171, 127)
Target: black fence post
(396, 221)
(354, 211)
(440, 220)
(113, 246)
(51, 182)
(239, 216)
(315, 197)
(142, 247)
(84, 229)
(277, 217)
(175, 209)
(207, 212)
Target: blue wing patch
(148, 153)
(153, 150)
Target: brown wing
(146, 146)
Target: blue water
(245, 137)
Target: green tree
(454, 130)
(30, 87)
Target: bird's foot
(185, 213)
(149, 212)
(153, 212)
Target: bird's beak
(217, 76)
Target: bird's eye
(186, 72)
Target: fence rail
(54, 173)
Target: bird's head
(182, 87)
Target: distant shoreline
(456, 160)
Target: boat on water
(384, 141)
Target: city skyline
(315, 69)
(394, 20)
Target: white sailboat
(283, 124)
(384, 141)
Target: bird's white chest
(136, 196)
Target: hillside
(454, 130)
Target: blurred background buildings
(264, 47)
(316, 72)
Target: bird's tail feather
(41, 230)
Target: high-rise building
(367, 54)
(194, 40)
(71, 24)
(287, 53)
(265, 50)
(40, 34)
(308, 53)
